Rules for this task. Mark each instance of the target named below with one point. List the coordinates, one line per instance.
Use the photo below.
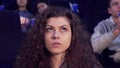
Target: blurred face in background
(41, 7)
(114, 8)
(22, 3)
(58, 35)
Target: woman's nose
(56, 35)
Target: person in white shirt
(107, 33)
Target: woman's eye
(64, 29)
(49, 29)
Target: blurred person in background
(41, 6)
(106, 37)
(24, 13)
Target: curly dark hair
(33, 54)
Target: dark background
(91, 11)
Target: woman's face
(22, 2)
(57, 35)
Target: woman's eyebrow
(66, 25)
(49, 26)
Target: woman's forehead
(58, 21)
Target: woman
(25, 14)
(57, 40)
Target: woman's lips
(56, 44)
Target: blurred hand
(116, 57)
(24, 20)
(24, 23)
(116, 31)
(118, 50)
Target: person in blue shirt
(24, 13)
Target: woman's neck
(22, 8)
(57, 60)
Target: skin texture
(57, 35)
(57, 38)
